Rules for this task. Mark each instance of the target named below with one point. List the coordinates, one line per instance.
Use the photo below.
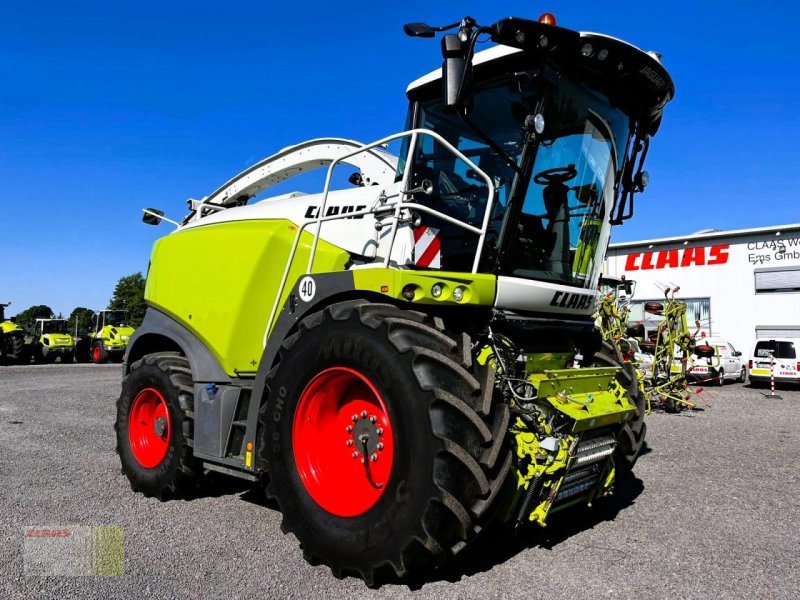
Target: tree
(84, 317)
(27, 318)
(129, 295)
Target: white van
(780, 354)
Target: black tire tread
(474, 445)
(179, 373)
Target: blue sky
(109, 107)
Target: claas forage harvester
(409, 360)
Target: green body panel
(480, 288)
(8, 327)
(223, 296)
(114, 338)
(57, 340)
(591, 397)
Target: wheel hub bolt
(354, 418)
(374, 457)
(349, 429)
(363, 414)
(355, 454)
(379, 431)
(379, 446)
(349, 442)
(373, 418)
(160, 426)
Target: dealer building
(741, 285)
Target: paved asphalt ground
(715, 512)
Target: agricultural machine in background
(412, 360)
(12, 340)
(108, 339)
(51, 341)
(672, 345)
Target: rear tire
(157, 457)
(742, 375)
(721, 377)
(449, 453)
(14, 348)
(632, 436)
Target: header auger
(415, 358)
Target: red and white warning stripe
(427, 247)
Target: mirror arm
(161, 217)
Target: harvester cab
(12, 339)
(108, 339)
(51, 340)
(400, 356)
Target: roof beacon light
(547, 19)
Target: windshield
(115, 318)
(552, 211)
(54, 327)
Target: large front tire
(154, 426)
(444, 455)
(632, 437)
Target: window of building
(777, 280)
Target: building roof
(711, 234)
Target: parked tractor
(108, 339)
(409, 361)
(51, 341)
(12, 340)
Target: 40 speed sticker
(307, 289)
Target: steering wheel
(556, 175)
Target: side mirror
(422, 30)
(152, 216)
(737, 353)
(454, 67)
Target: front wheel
(154, 426)
(384, 448)
(99, 354)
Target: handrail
(397, 207)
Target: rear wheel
(14, 348)
(154, 426)
(99, 354)
(632, 436)
(721, 377)
(384, 448)
(742, 375)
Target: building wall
(720, 268)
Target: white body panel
(540, 296)
(356, 235)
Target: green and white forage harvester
(411, 359)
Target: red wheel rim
(149, 428)
(337, 409)
(96, 353)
